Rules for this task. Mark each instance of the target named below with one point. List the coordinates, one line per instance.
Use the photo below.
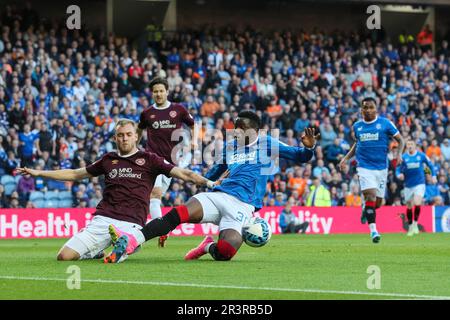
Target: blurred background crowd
(61, 92)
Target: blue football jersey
(372, 142)
(251, 166)
(413, 170)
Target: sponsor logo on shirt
(163, 124)
(124, 173)
(242, 157)
(369, 137)
(413, 165)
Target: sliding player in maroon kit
(129, 178)
(161, 120)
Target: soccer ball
(256, 232)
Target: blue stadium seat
(7, 179)
(66, 203)
(9, 183)
(51, 203)
(17, 178)
(51, 195)
(36, 196)
(64, 195)
(39, 203)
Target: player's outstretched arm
(309, 140)
(63, 175)
(401, 146)
(190, 176)
(347, 157)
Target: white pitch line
(196, 285)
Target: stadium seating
(9, 183)
(37, 198)
(65, 199)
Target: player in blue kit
(412, 172)
(372, 135)
(249, 159)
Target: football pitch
(288, 267)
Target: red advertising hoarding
(63, 223)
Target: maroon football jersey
(160, 124)
(128, 183)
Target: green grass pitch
(289, 267)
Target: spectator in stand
(353, 199)
(289, 223)
(24, 187)
(445, 149)
(319, 195)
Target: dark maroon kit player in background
(160, 124)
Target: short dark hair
(159, 80)
(255, 121)
(369, 99)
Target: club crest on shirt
(173, 114)
(152, 116)
(378, 126)
(140, 161)
(113, 173)
(115, 161)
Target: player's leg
(229, 243)
(192, 212)
(370, 212)
(419, 192)
(89, 243)
(67, 254)
(370, 187)
(233, 215)
(161, 186)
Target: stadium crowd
(61, 92)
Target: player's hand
(401, 177)
(25, 171)
(434, 180)
(309, 137)
(399, 159)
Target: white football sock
(208, 246)
(155, 208)
(373, 227)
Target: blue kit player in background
(412, 171)
(372, 135)
(232, 202)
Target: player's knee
(67, 255)
(225, 250)
(63, 256)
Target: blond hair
(123, 122)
